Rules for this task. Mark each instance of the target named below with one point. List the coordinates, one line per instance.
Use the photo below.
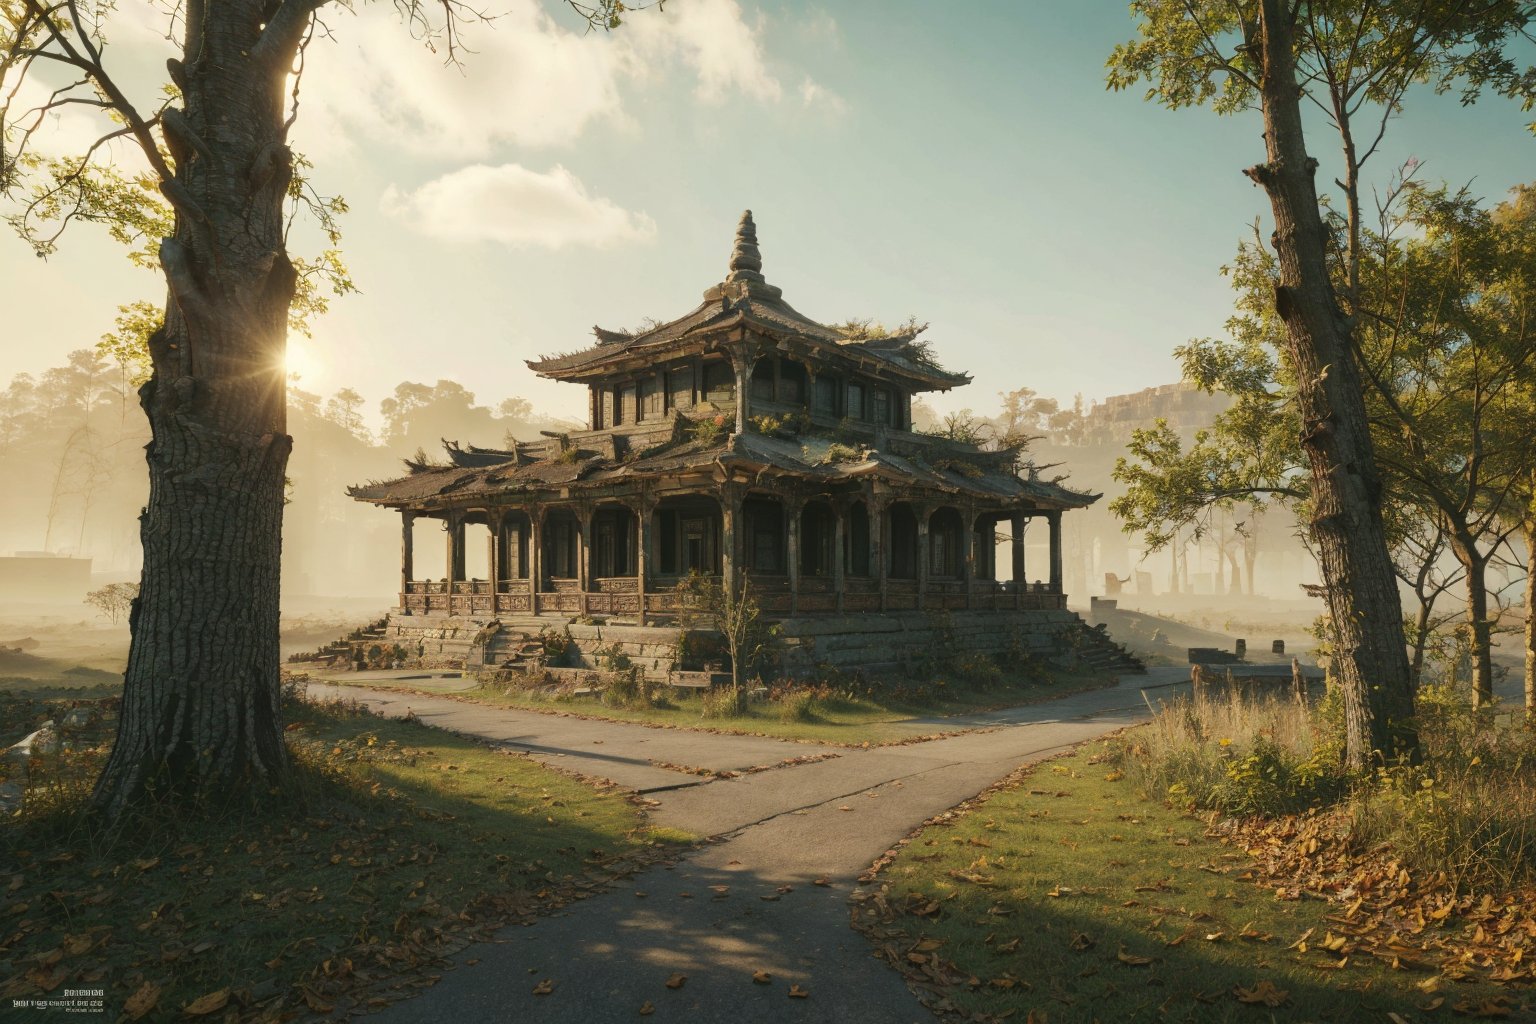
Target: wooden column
(1054, 518)
(643, 510)
(407, 558)
(455, 548)
(1020, 577)
(535, 556)
(923, 513)
(741, 365)
(967, 550)
(839, 515)
(583, 516)
(880, 542)
(493, 552)
(792, 512)
(730, 519)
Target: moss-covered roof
(744, 299)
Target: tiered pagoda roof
(746, 300)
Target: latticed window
(856, 401)
(826, 397)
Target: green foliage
(557, 645)
(786, 424)
(1201, 53)
(1469, 809)
(797, 704)
(1241, 755)
(709, 429)
(628, 687)
(838, 453)
(718, 703)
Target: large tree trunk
(201, 716)
(1371, 654)
(1528, 534)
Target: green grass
(1066, 895)
(874, 719)
(402, 842)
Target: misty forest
(1114, 599)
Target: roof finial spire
(746, 260)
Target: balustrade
(620, 595)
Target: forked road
(611, 953)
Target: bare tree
(113, 600)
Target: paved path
(788, 827)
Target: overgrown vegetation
(789, 424)
(1463, 820)
(709, 429)
(396, 845)
(1064, 895)
(839, 708)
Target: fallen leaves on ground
(213, 1002)
(796, 992)
(677, 981)
(544, 987)
(1264, 993)
(142, 1001)
(1383, 910)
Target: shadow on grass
(395, 844)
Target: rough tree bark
(201, 716)
(1371, 654)
(1479, 628)
(1528, 535)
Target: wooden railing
(620, 595)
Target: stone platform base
(866, 642)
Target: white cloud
(529, 78)
(713, 38)
(515, 206)
(68, 130)
(527, 81)
(814, 95)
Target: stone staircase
(343, 652)
(1097, 649)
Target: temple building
(740, 437)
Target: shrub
(798, 705)
(708, 430)
(838, 452)
(977, 668)
(557, 646)
(1469, 809)
(629, 689)
(718, 702)
(1246, 755)
(787, 424)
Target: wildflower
(1225, 742)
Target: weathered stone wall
(890, 642)
(896, 640)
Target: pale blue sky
(961, 163)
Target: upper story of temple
(746, 353)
